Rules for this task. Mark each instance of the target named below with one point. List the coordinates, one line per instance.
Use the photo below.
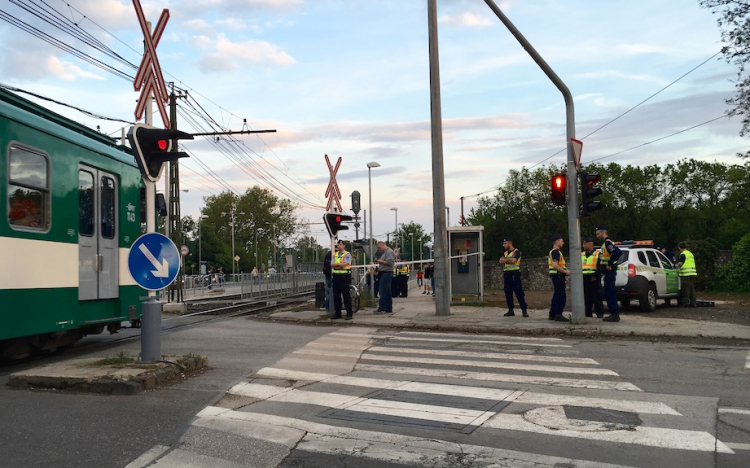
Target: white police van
(645, 274)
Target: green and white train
(71, 210)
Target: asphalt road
(699, 392)
(48, 428)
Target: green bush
(735, 276)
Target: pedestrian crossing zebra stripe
(490, 364)
(487, 355)
(747, 361)
(640, 435)
(470, 338)
(505, 341)
(527, 397)
(498, 377)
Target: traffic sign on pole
(577, 147)
(332, 191)
(154, 261)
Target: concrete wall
(534, 274)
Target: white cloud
(68, 71)
(638, 49)
(467, 19)
(253, 51)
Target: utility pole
(174, 218)
(442, 289)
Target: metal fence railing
(249, 286)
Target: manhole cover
(582, 419)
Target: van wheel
(647, 299)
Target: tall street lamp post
(200, 262)
(395, 232)
(370, 165)
(232, 214)
(411, 248)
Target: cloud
(465, 20)
(68, 71)
(639, 49)
(227, 54)
(197, 7)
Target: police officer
(610, 253)
(512, 277)
(688, 275)
(403, 280)
(557, 273)
(591, 279)
(341, 277)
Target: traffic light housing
(355, 202)
(335, 222)
(559, 186)
(153, 147)
(589, 191)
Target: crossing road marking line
(737, 446)
(747, 362)
(639, 435)
(495, 394)
(493, 365)
(470, 337)
(466, 341)
(472, 354)
(734, 410)
(520, 379)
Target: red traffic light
(162, 144)
(558, 185)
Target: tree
(412, 236)
(734, 22)
(258, 216)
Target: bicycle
(355, 295)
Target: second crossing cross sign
(332, 192)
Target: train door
(98, 252)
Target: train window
(85, 203)
(28, 189)
(108, 207)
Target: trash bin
(320, 294)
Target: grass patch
(120, 359)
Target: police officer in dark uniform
(557, 273)
(610, 253)
(511, 260)
(591, 279)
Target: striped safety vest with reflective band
(552, 271)
(589, 263)
(688, 268)
(339, 258)
(513, 266)
(604, 257)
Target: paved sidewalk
(418, 311)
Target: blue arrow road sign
(154, 261)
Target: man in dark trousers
(591, 279)
(610, 253)
(341, 266)
(511, 261)
(386, 264)
(688, 274)
(558, 274)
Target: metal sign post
(150, 82)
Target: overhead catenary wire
(496, 187)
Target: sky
(350, 79)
